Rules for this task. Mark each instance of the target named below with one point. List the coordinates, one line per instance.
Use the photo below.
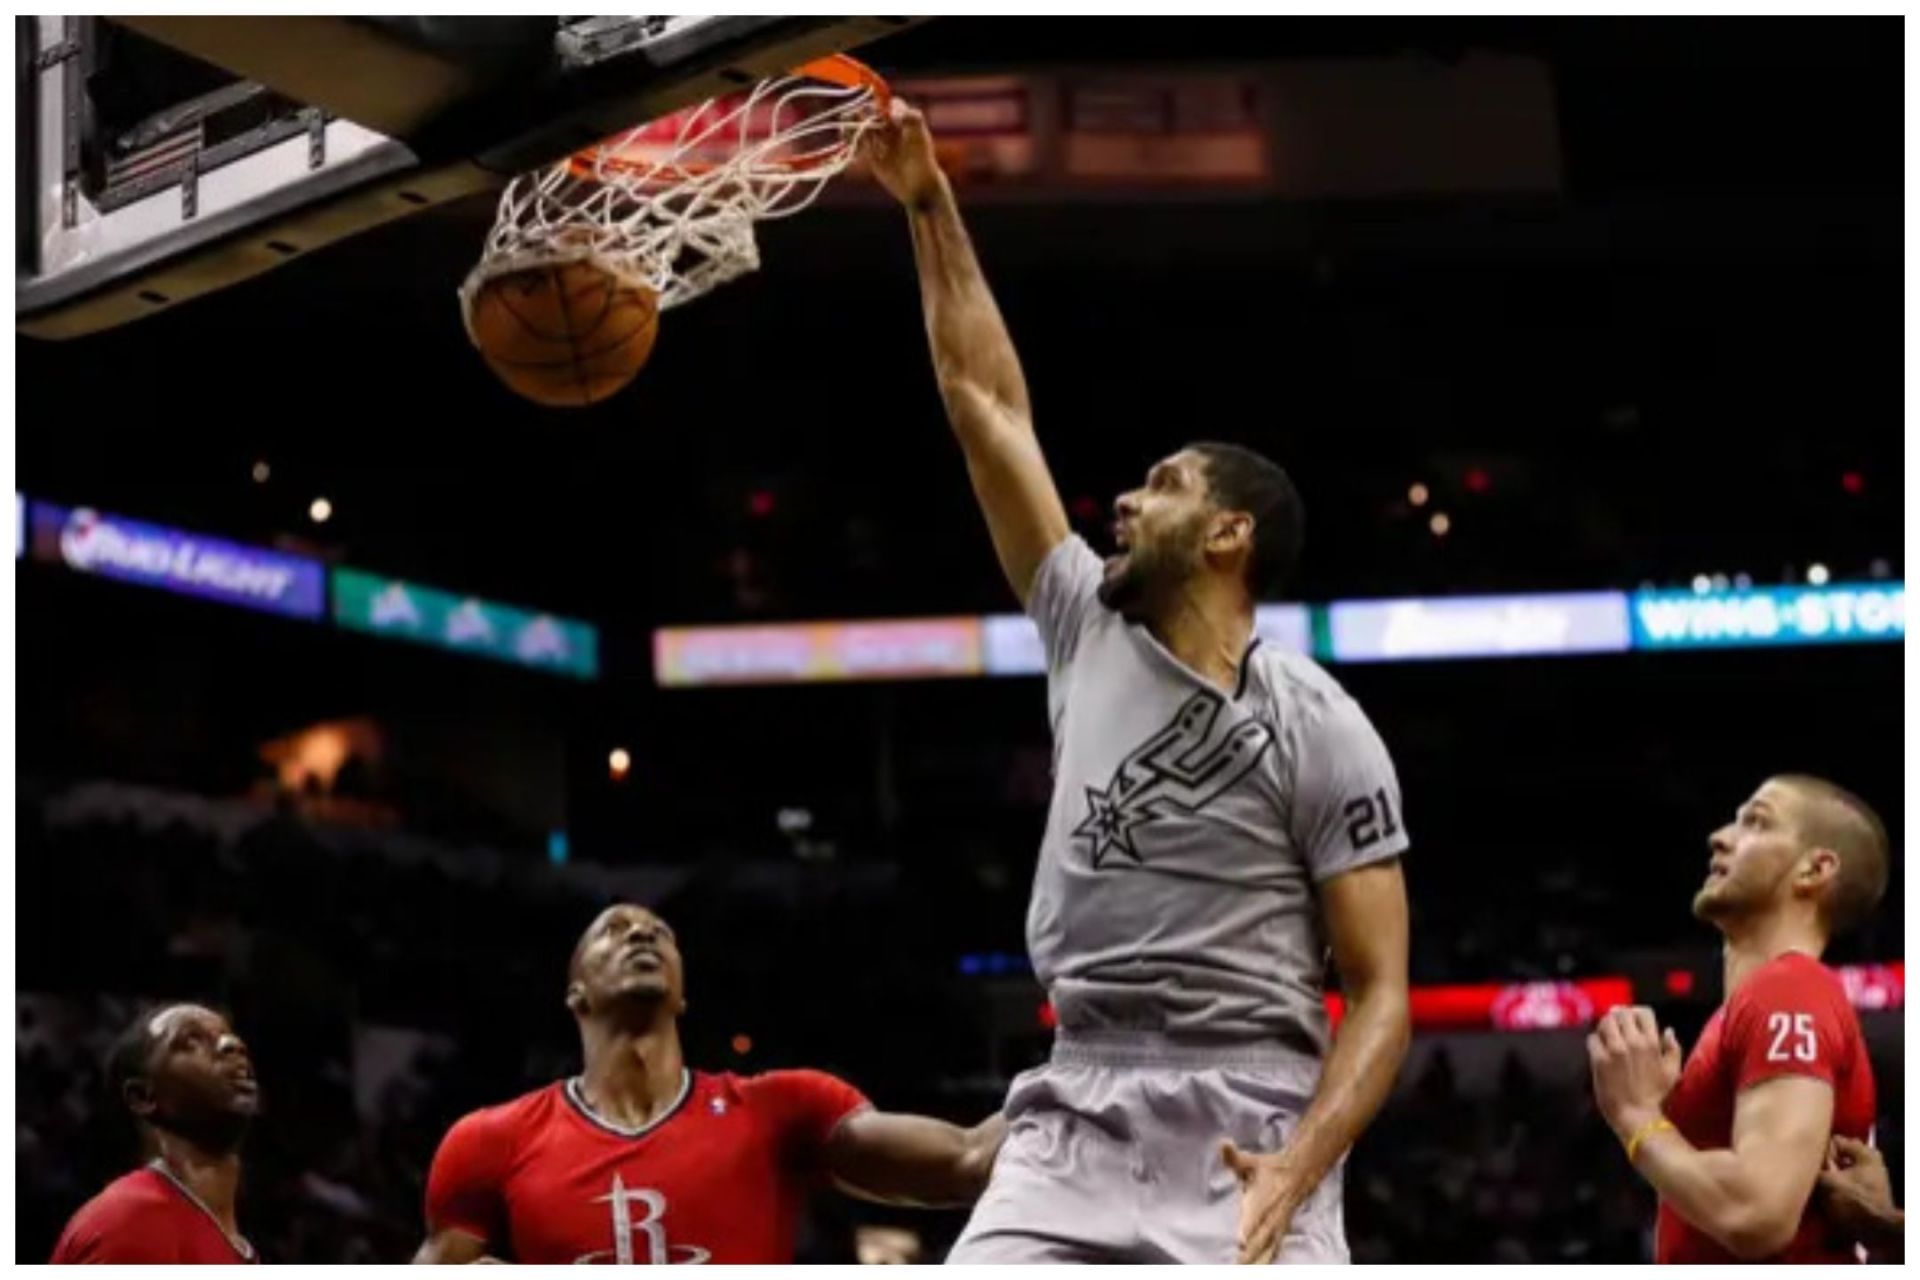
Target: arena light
(262, 472)
(619, 761)
(1441, 524)
(1418, 494)
(320, 510)
(1817, 575)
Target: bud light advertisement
(152, 555)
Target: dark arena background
(1528, 308)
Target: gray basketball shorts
(1113, 1155)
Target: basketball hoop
(670, 206)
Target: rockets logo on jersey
(639, 1230)
(1180, 769)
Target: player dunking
(1222, 812)
(188, 1082)
(638, 1159)
(1736, 1141)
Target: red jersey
(1791, 1017)
(721, 1177)
(147, 1217)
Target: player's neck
(212, 1176)
(632, 1077)
(1755, 942)
(1207, 631)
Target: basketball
(569, 334)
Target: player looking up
(639, 1159)
(1222, 814)
(1736, 1140)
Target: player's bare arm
(452, 1247)
(978, 370)
(1365, 912)
(1749, 1197)
(913, 1160)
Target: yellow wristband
(1646, 1131)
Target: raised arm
(973, 357)
(913, 1160)
(1365, 911)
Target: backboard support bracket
(476, 111)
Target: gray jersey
(1175, 890)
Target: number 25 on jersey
(1792, 1037)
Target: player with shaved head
(640, 1159)
(1736, 1140)
(188, 1082)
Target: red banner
(1558, 1006)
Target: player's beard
(1708, 904)
(1149, 573)
(1728, 897)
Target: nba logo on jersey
(718, 1106)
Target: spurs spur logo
(1180, 769)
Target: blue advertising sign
(153, 555)
(1841, 613)
(1478, 626)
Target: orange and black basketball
(567, 334)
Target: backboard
(164, 157)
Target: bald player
(1223, 814)
(639, 1159)
(1736, 1141)
(185, 1077)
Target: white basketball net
(672, 204)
